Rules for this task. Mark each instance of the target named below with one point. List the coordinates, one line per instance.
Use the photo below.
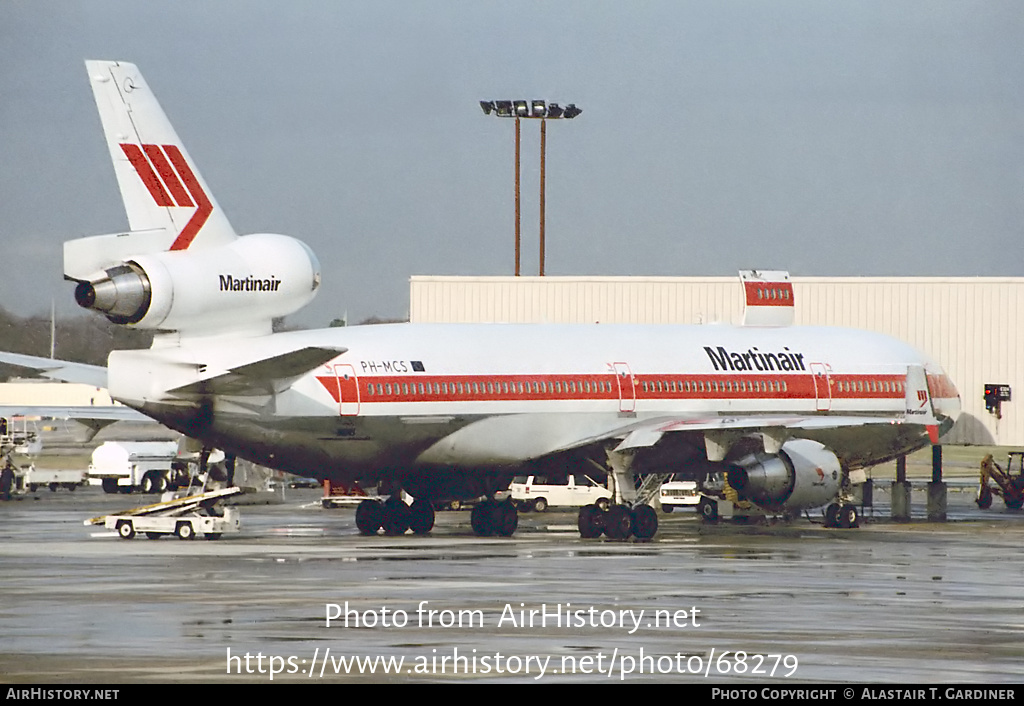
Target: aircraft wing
(94, 418)
(650, 432)
(95, 375)
(85, 414)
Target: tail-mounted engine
(249, 280)
(804, 474)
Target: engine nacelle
(250, 280)
(803, 475)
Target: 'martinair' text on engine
(249, 284)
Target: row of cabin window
(715, 386)
(870, 386)
(537, 387)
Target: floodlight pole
(543, 140)
(517, 197)
(536, 110)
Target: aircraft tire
(421, 517)
(396, 517)
(480, 519)
(1014, 503)
(849, 517)
(590, 522)
(644, 522)
(618, 522)
(504, 519)
(369, 517)
(832, 515)
(125, 529)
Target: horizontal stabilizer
(66, 371)
(263, 377)
(84, 257)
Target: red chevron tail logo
(171, 183)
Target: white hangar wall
(971, 325)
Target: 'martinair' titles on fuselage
(249, 284)
(753, 359)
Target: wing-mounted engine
(804, 474)
(243, 284)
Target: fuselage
(409, 396)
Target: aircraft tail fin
(769, 298)
(918, 401)
(164, 195)
(181, 268)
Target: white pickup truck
(540, 492)
(678, 494)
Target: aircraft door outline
(348, 389)
(822, 387)
(626, 387)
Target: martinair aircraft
(766, 412)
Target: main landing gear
(618, 522)
(845, 516)
(492, 517)
(394, 516)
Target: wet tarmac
(911, 603)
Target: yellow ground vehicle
(1007, 484)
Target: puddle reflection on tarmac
(920, 602)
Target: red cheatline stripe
(156, 156)
(769, 293)
(204, 207)
(147, 174)
(603, 387)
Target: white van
(540, 492)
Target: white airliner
(765, 412)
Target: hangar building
(968, 324)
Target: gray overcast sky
(826, 138)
